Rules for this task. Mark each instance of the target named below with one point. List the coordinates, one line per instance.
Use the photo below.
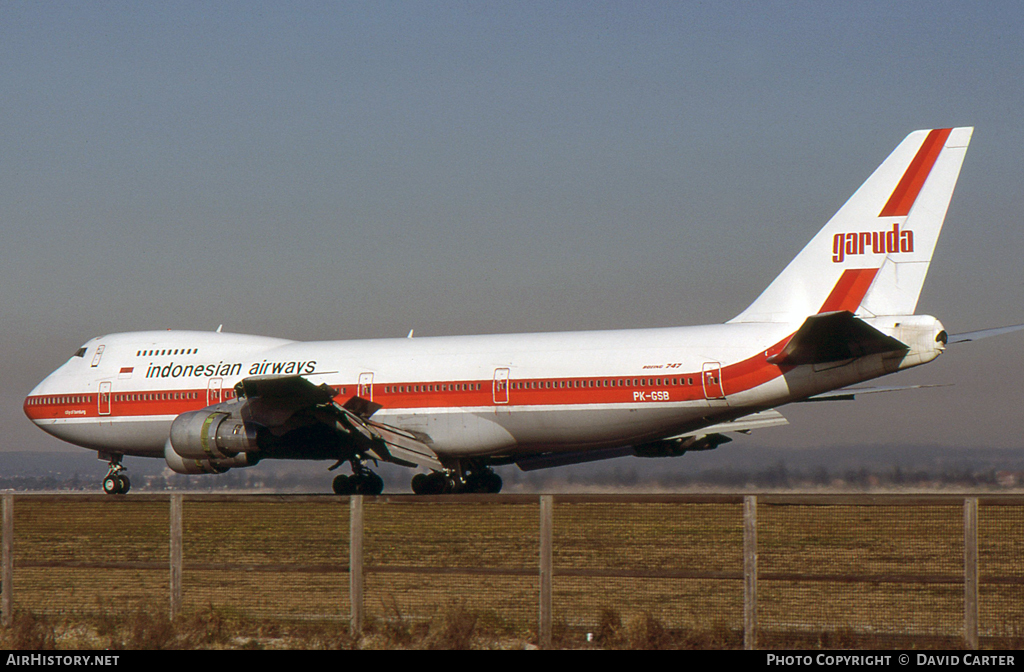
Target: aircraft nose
(35, 405)
(31, 402)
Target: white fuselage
(473, 396)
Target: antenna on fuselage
(410, 333)
(219, 327)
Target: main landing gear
(361, 482)
(478, 480)
(116, 481)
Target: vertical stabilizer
(873, 255)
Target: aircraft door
(214, 392)
(500, 386)
(104, 398)
(366, 386)
(712, 381)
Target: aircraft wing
(705, 438)
(744, 425)
(275, 401)
(832, 337)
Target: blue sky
(344, 170)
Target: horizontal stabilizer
(833, 337)
(984, 333)
(851, 393)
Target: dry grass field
(662, 572)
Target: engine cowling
(184, 465)
(213, 433)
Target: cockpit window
(80, 353)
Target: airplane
(453, 407)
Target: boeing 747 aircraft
(841, 313)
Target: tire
(421, 484)
(371, 484)
(112, 485)
(433, 483)
(342, 485)
(492, 483)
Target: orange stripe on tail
(906, 191)
(850, 290)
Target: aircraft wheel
(421, 484)
(432, 484)
(370, 484)
(112, 485)
(124, 485)
(342, 485)
(485, 482)
(491, 483)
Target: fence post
(546, 525)
(176, 555)
(355, 563)
(7, 572)
(750, 572)
(971, 572)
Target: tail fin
(872, 256)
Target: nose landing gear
(116, 481)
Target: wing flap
(271, 401)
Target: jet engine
(215, 432)
(211, 441)
(183, 465)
